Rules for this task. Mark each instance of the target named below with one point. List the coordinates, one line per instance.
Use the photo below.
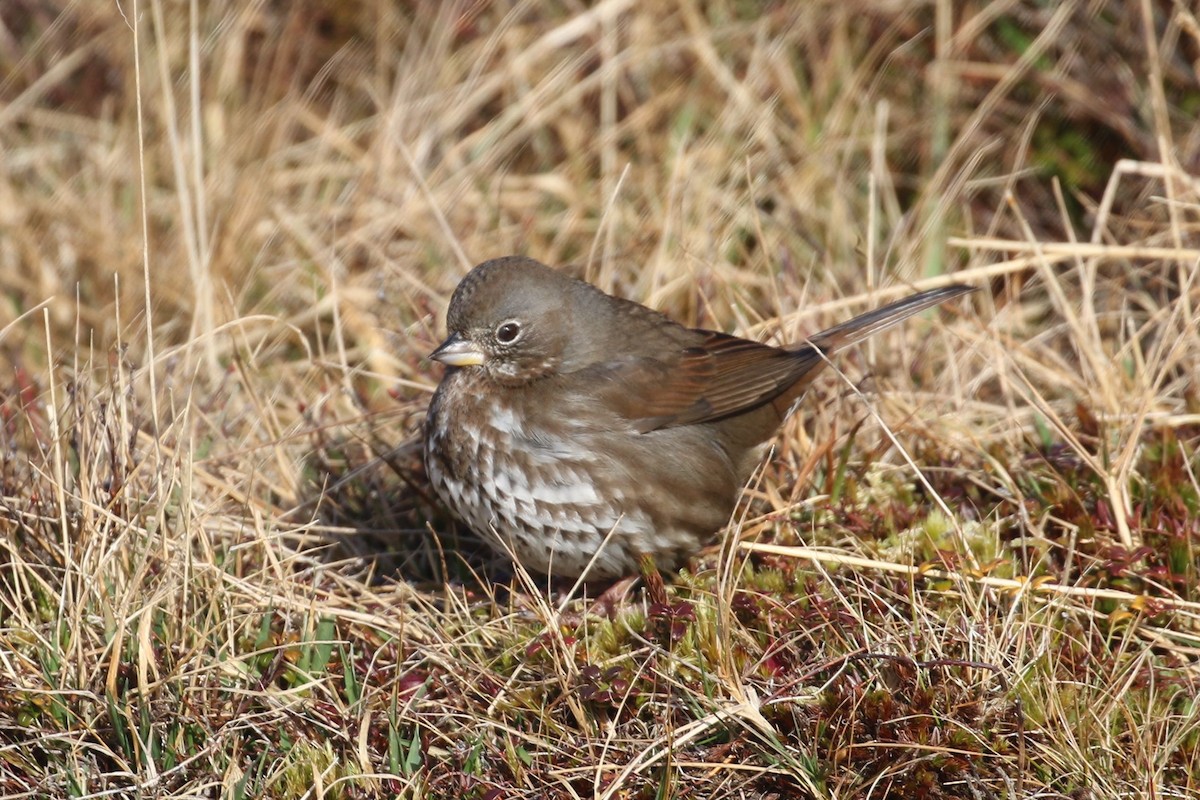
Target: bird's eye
(508, 332)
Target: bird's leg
(612, 598)
(656, 590)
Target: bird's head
(512, 318)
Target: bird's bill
(458, 352)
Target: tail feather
(855, 330)
(811, 355)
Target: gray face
(512, 317)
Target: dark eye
(508, 332)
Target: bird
(580, 433)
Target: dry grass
(227, 235)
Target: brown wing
(721, 376)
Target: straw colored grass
(228, 233)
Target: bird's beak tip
(458, 352)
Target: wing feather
(723, 375)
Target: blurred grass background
(228, 232)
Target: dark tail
(853, 331)
(811, 354)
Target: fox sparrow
(582, 431)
